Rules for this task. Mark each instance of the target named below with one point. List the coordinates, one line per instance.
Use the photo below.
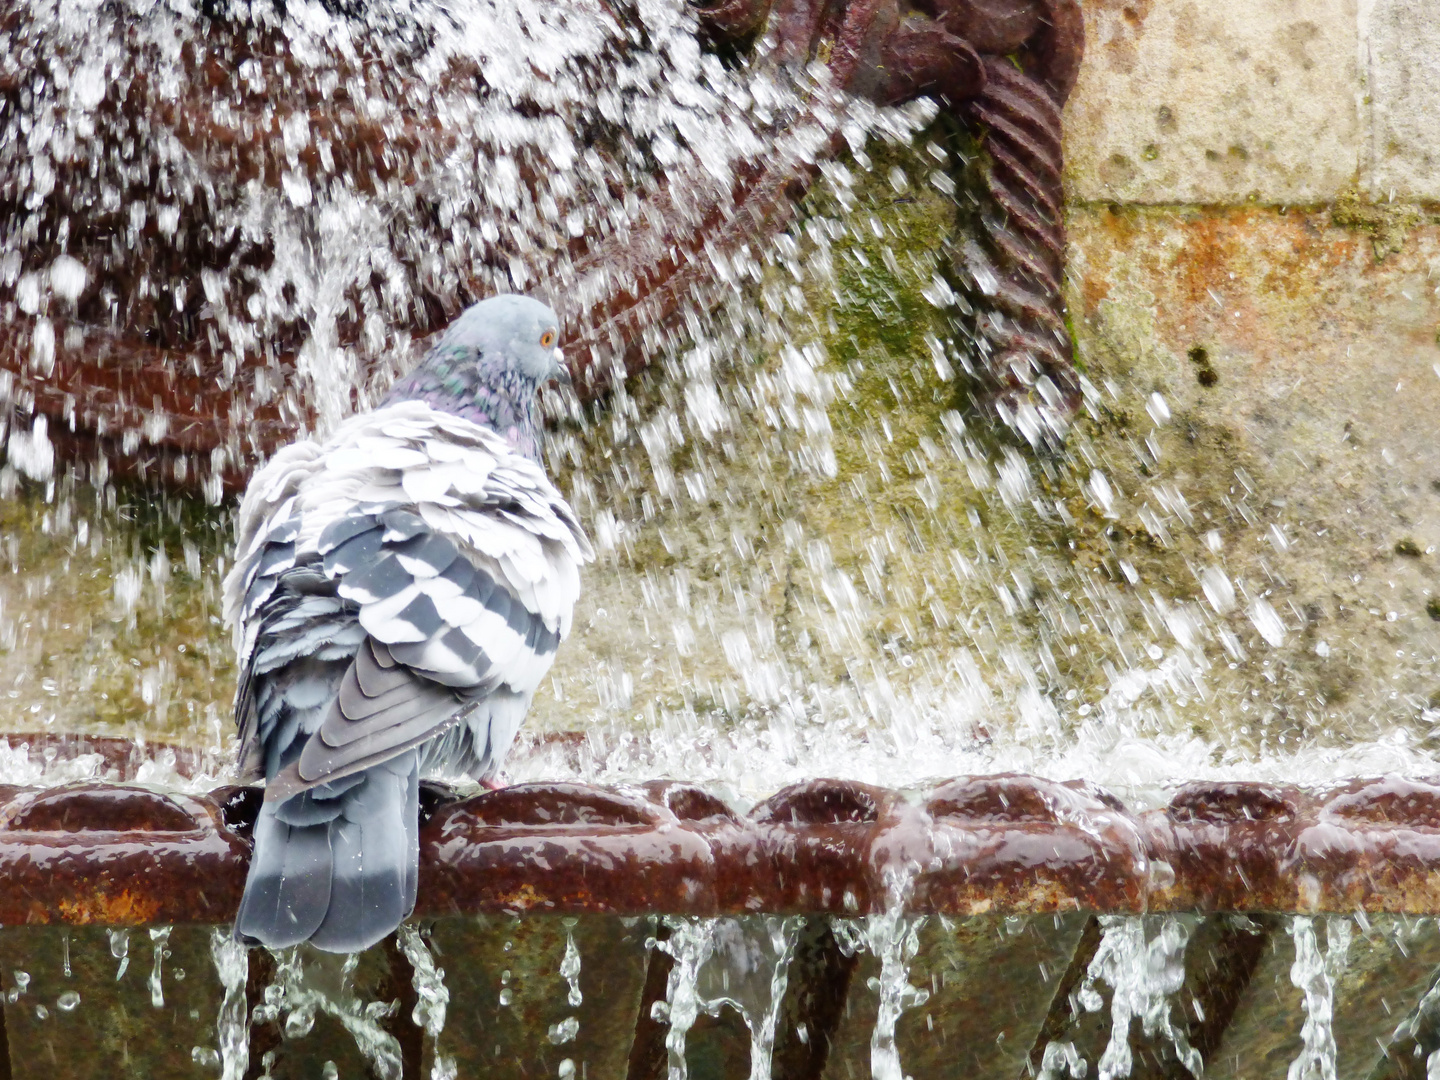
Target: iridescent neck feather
(487, 391)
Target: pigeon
(398, 593)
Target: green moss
(1389, 224)
(111, 616)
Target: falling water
(742, 963)
(120, 949)
(816, 557)
(893, 938)
(232, 1024)
(296, 995)
(1143, 961)
(570, 967)
(689, 943)
(159, 938)
(1316, 974)
(835, 563)
(432, 999)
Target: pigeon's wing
(283, 610)
(460, 562)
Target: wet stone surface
(987, 994)
(529, 994)
(992, 924)
(1376, 975)
(990, 985)
(139, 1014)
(121, 855)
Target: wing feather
(439, 570)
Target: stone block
(1184, 102)
(1300, 374)
(513, 1011)
(74, 1009)
(990, 983)
(1377, 974)
(1400, 44)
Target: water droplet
(67, 1001)
(299, 1023)
(570, 967)
(565, 1031)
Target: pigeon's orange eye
(547, 338)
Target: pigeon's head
(509, 333)
(487, 365)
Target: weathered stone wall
(1253, 232)
(1279, 102)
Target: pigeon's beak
(562, 371)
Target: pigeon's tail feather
(336, 865)
(376, 848)
(288, 888)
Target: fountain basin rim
(107, 854)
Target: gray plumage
(398, 594)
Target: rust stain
(105, 909)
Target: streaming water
(740, 963)
(893, 938)
(159, 938)
(1316, 975)
(232, 1024)
(309, 984)
(689, 943)
(432, 997)
(836, 565)
(570, 967)
(120, 949)
(1143, 961)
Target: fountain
(884, 492)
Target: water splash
(295, 1000)
(1060, 1058)
(1143, 960)
(565, 1031)
(432, 997)
(570, 965)
(232, 1023)
(689, 944)
(950, 635)
(893, 938)
(1316, 975)
(743, 963)
(120, 949)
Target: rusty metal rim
(116, 854)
